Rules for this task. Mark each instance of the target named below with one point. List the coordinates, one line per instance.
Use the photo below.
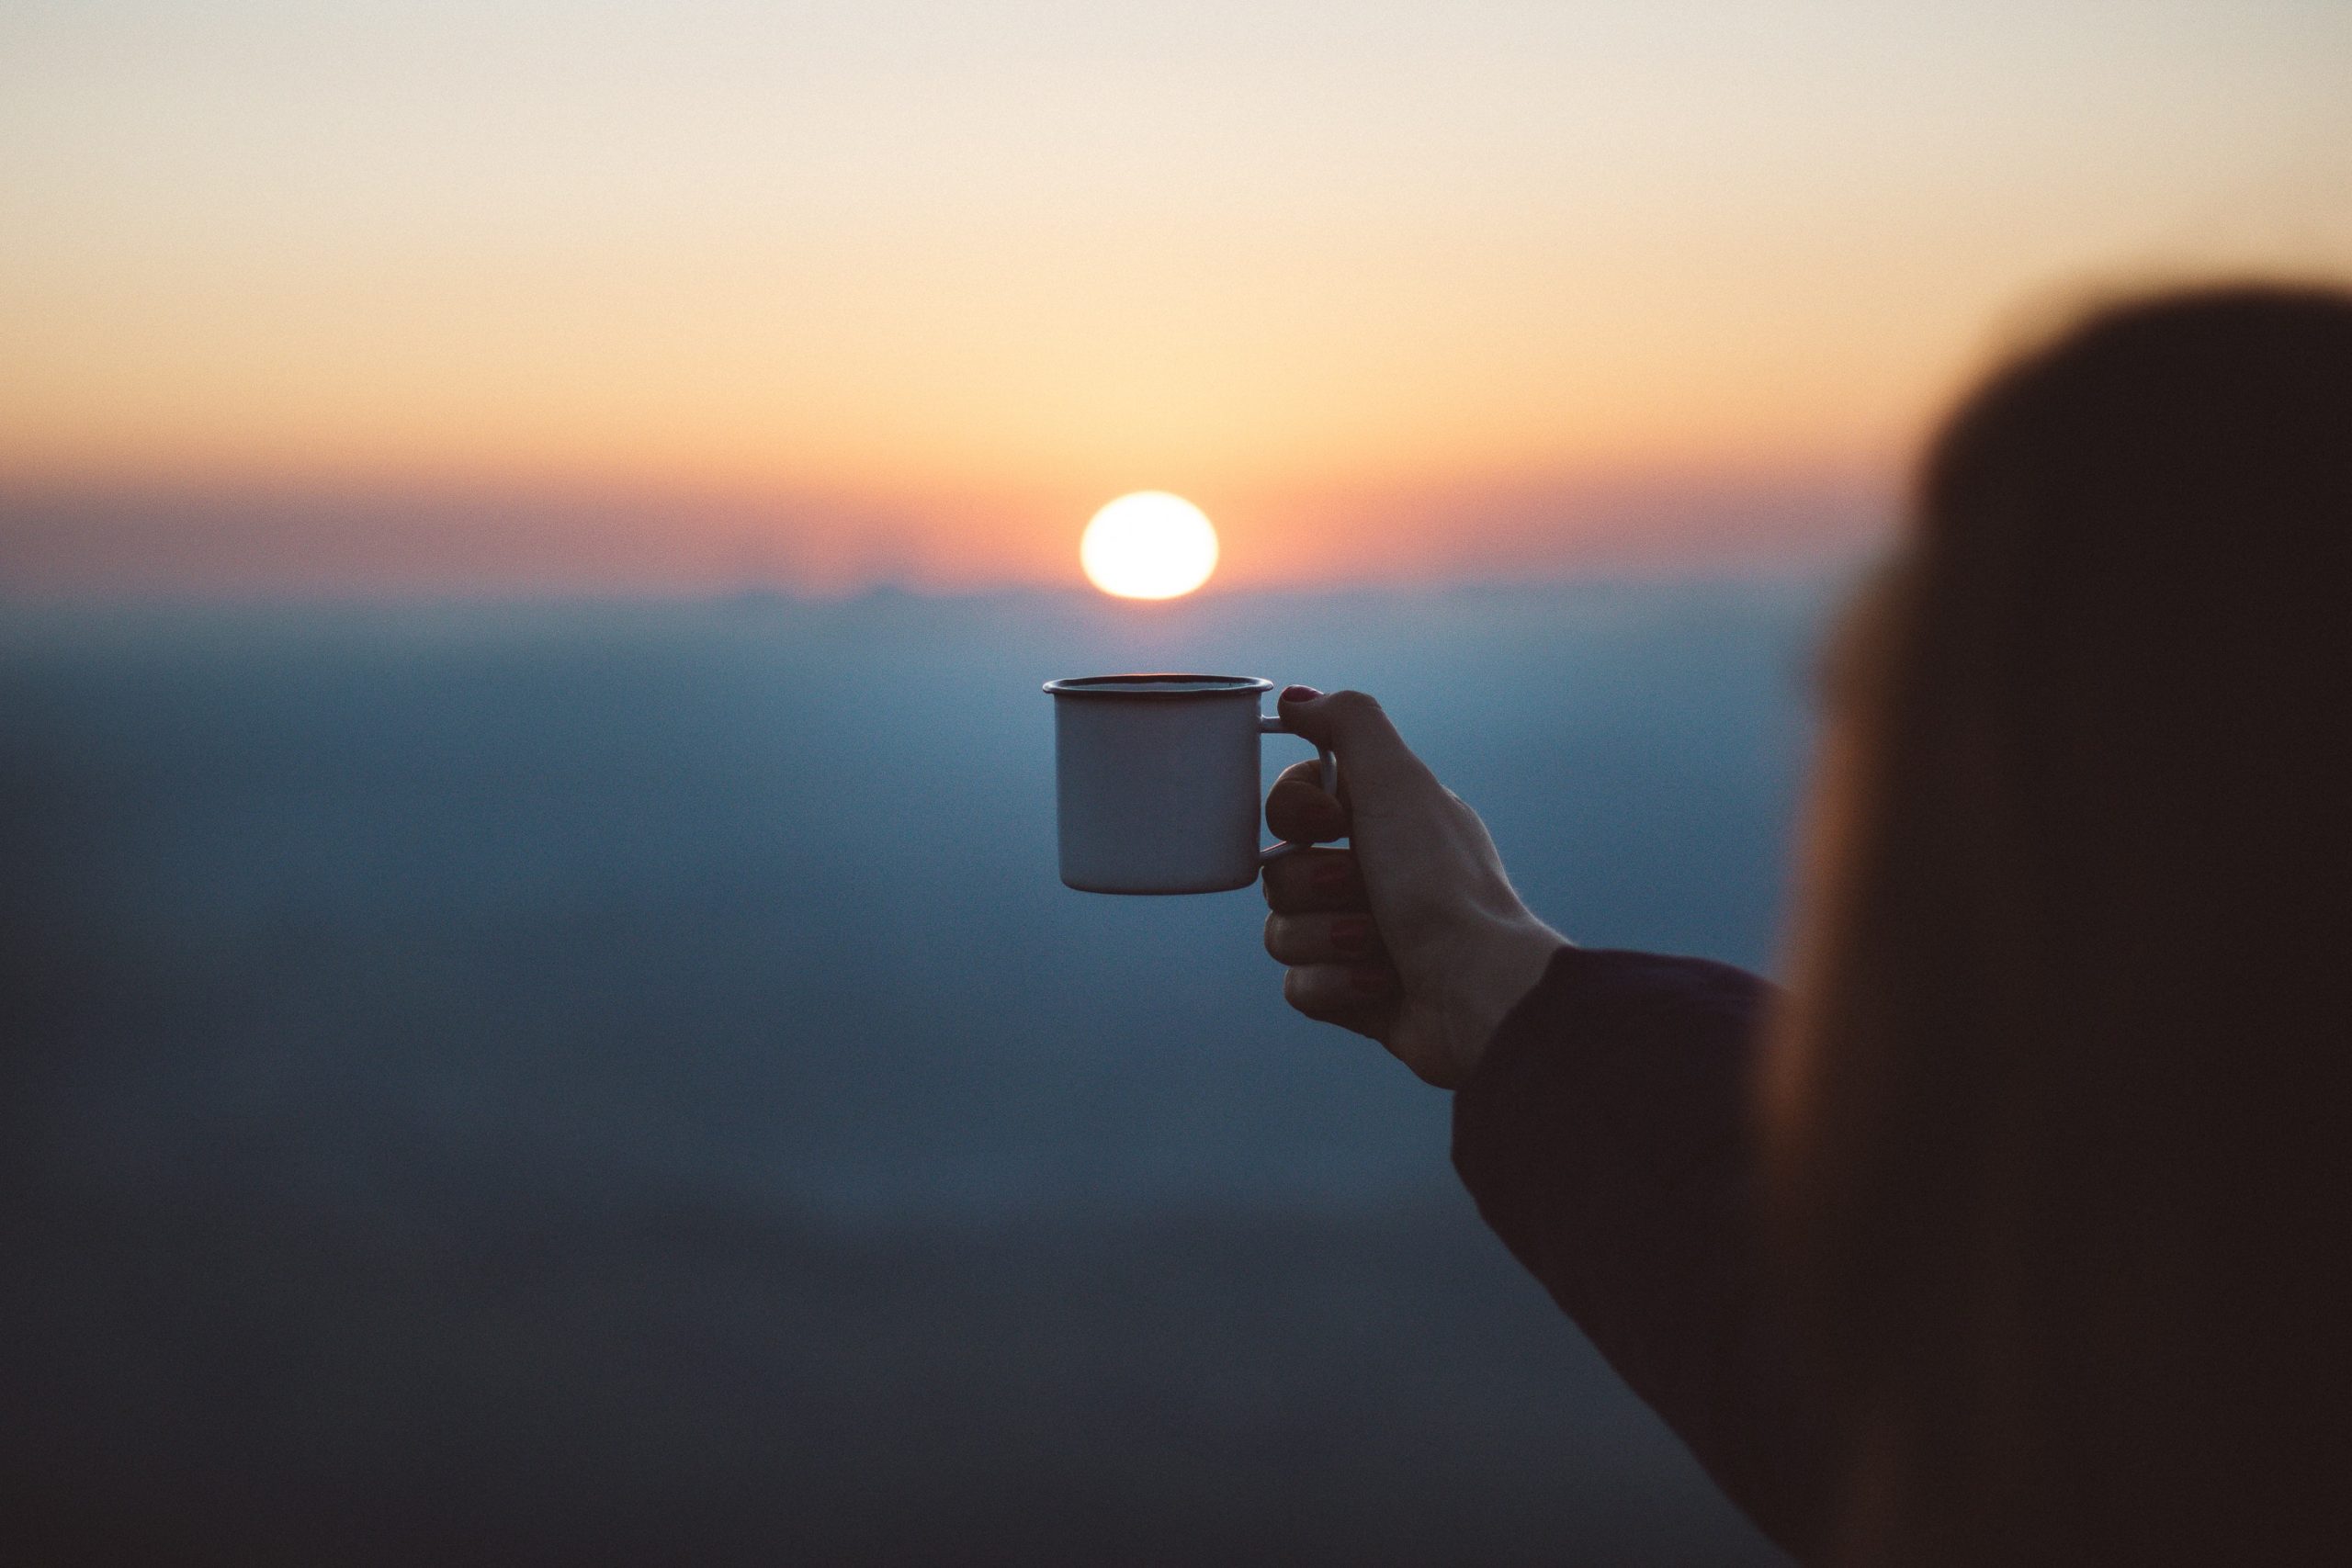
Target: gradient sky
(627, 294)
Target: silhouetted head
(2061, 1131)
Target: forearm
(1607, 1139)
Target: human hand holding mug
(1413, 935)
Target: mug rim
(1175, 687)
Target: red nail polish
(1300, 694)
(1351, 935)
(1368, 979)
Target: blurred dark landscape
(621, 1083)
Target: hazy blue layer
(478, 1057)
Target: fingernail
(1351, 935)
(1368, 979)
(1300, 694)
(1329, 874)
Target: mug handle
(1271, 723)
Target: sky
(621, 295)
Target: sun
(1150, 545)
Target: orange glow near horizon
(898, 290)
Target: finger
(1361, 998)
(1372, 755)
(1300, 810)
(1313, 879)
(1323, 939)
(1311, 774)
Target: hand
(1414, 935)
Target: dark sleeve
(1606, 1138)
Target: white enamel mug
(1156, 779)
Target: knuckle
(1297, 983)
(1291, 938)
(1288, 796)
(1308, 988)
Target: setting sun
(1150, 544)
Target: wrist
(1498, 967)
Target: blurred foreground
(621, 1083)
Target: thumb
(1354, 728)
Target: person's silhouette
(2022, 1232)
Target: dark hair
(2060, 1134)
